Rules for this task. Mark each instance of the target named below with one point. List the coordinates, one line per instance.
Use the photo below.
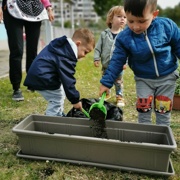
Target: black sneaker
(17, 96)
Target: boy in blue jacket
(54, 68)
(152, 46)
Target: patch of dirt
(99, 124)
(46, 172)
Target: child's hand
(103, 89)
(78, 106)
(124, 67)
(96, 63)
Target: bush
(177, 89)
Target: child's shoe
(120, 101)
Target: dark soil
(99, 123)
(46, 172)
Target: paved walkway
(4, 63)
(4, 56)
(4, 59)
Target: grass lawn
(11, 113)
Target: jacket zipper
(113, 45)
(152, 52)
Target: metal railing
(49, 32)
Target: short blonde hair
(85, 35)
(114, 10)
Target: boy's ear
(155, 13)
(78, 43)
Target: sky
(167, 3)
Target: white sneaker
(120, 102)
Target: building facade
(75, 11)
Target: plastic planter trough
(130, 146)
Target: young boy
(116, 21)
(152, 46)
(54, 68)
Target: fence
(49, 32)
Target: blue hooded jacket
(150, 55)
(53, 66)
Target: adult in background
(18, 15)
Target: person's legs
(160, 92)
(32, 30)
(164, 98)
(55, 100)
(14, 28)
(119, 90)
(144, 100)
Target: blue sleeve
(174, 37)
(66, 74)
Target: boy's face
(139, 24)
(83, 49)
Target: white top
(74, 46)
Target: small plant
(177, 89)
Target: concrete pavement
(4, 59)
(4, 63)
(4, 56)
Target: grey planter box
(130, 146)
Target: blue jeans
(55, 100)
(119, 85)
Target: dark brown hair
(136, 7)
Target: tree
(102, 7)
(172, 13)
